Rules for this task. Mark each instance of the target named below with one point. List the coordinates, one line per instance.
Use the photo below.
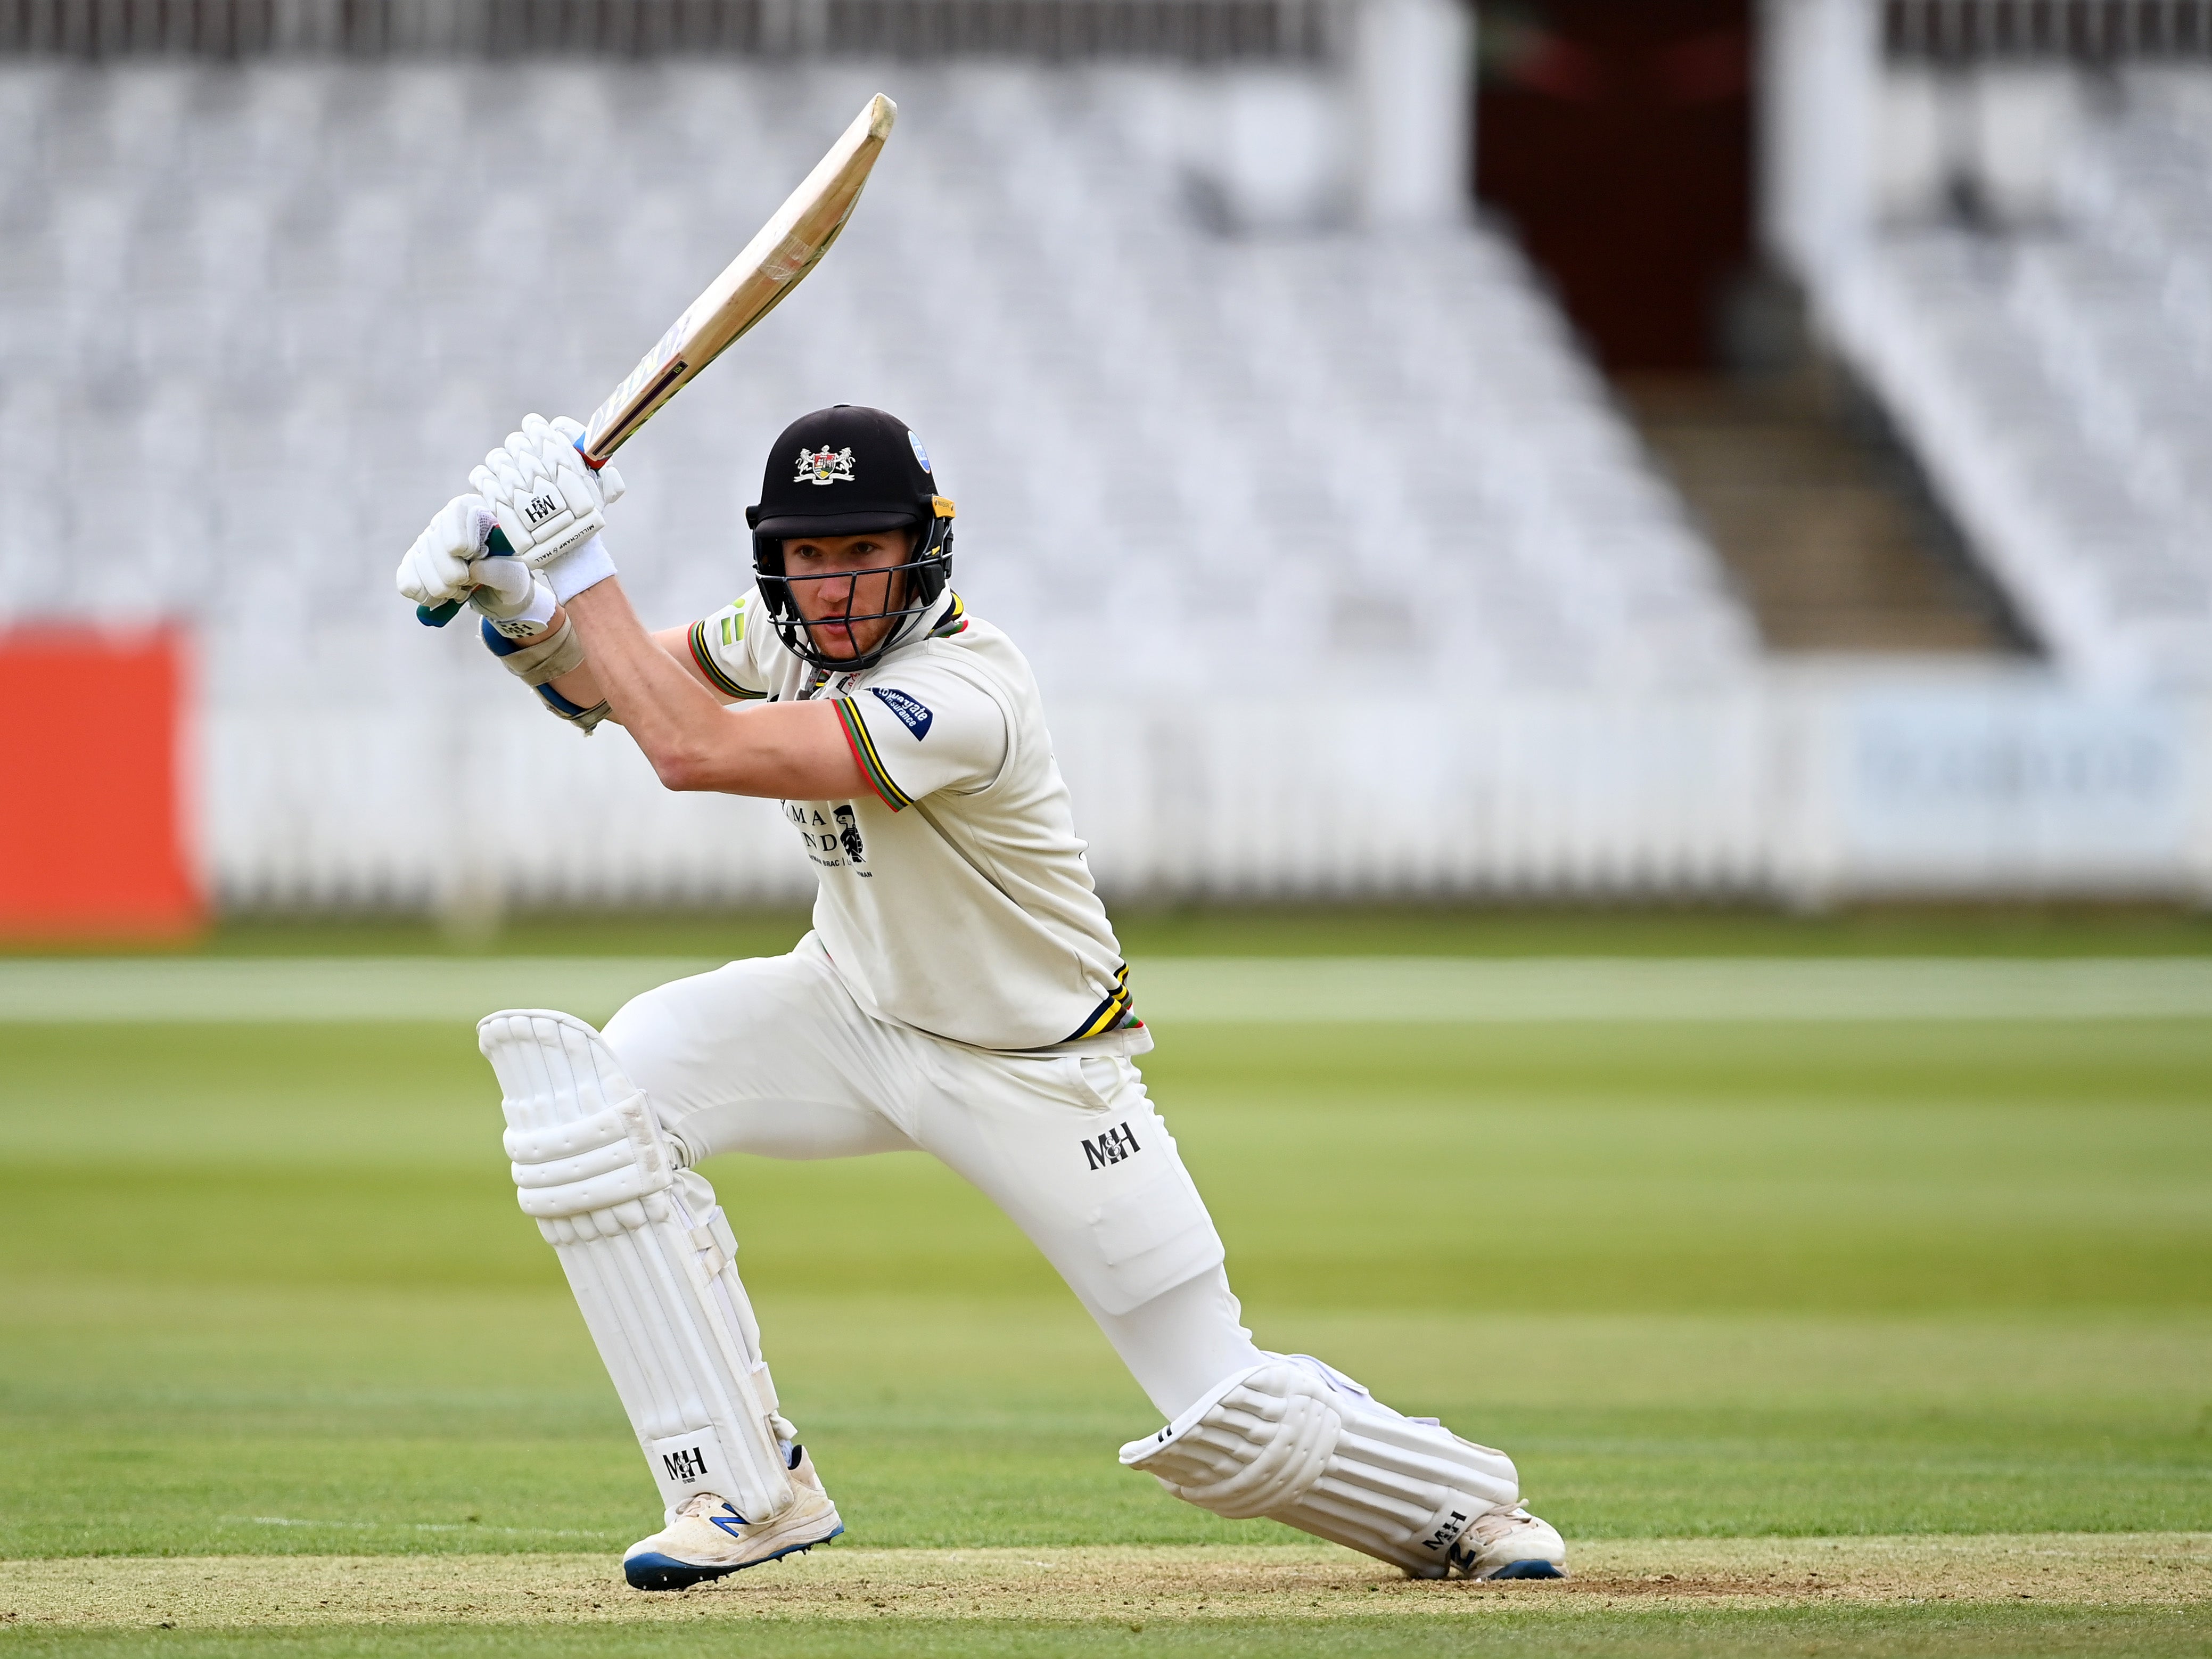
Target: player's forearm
(582, 687)
(782, 750)
(664, 709)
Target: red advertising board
(95, 813)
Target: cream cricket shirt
(954, 896)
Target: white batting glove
(436, 568)
(515, 599)
(548, 501)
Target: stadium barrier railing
(1801, 786)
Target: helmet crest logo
(821, 466)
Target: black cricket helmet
(844, 471)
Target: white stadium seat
(258, 322)
(2056, 382)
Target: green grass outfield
(264, 1293)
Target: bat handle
(437, 615)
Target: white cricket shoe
(708, 1539)
(1510, 1544)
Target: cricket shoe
(708, 1539)
(1505, 1543)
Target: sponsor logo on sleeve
(915, 714)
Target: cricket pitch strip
(1137, 1585)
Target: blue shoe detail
(665, 1572)
(1527, 1569)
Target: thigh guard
(650, 1257)
(1293, 1441)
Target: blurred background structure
(1580, 448)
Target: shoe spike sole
(665, 1572)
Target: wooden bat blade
(772, 264)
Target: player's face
(842, 586)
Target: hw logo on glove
(538, 508)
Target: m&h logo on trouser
(1117, 1143)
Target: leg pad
(650, 1257)
(1298, 1443)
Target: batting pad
(650, 1256)
(1293, 1441)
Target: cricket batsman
(961, 993)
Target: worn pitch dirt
(1294, 1582)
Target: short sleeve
(724, 655)
(930, 729)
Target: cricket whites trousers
(773, 1056)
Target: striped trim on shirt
(709, 667)
(864, 750)
(953, 622)
(1118, 1010)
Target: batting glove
(515, 599)
(436, 568)
(547, 500)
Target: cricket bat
(776, 260)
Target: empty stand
(258, 321)
(2056, 380)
